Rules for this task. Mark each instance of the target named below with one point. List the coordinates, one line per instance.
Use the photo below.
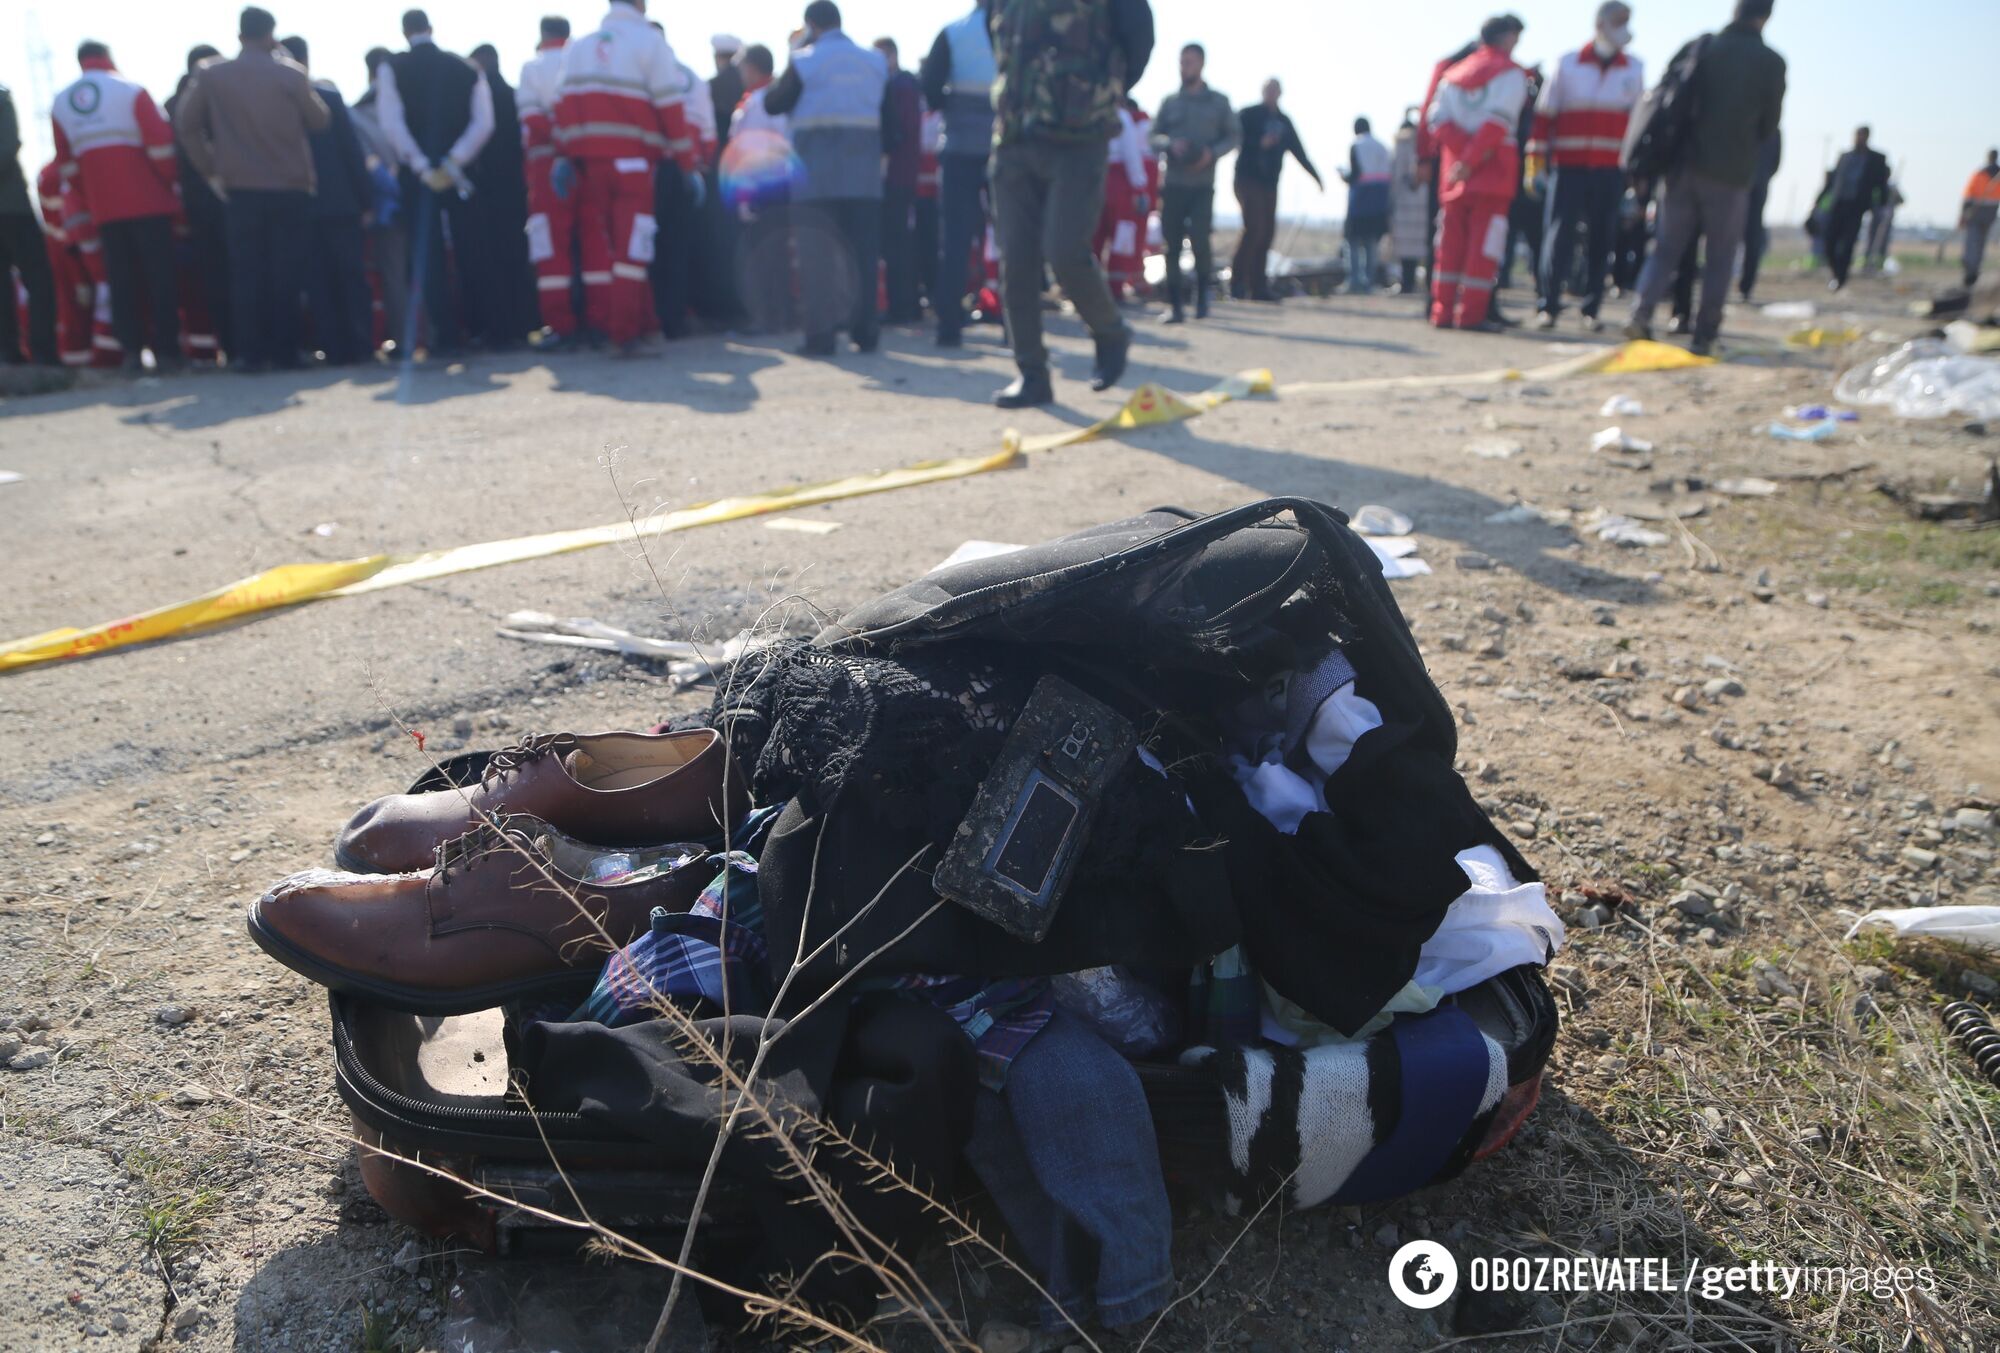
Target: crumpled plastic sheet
(1967, 925)
(1926, 378)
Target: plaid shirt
(1000, 1018)
(713, 953)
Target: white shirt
(389, 108)
(750, 116)
(1128, 147)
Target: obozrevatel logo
(1423, 1274)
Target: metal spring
(1973, 1028)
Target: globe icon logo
(1423, 1274)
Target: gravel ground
(1711, 766)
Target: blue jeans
(1067, 1150)
(1580, 200)
(1361, 263)
(962, 223)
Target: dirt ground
(1714, 767)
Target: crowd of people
(613, 193)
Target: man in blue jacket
(842, 125)
(336, 284)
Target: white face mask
(1617, 40)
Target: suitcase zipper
(348, 1063)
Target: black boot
(1029, 389)
(1201, 299)
(1110, 364)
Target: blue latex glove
(698, 185)
(562, 178)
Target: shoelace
(462, 852)
(521, 753)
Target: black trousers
(899, 253)
(139, 264)
(208, 240)
(840, 252)
(441, 232)
(1187, 216)
(268, 233)
(926, 245)
(337, 289)
(962, 224)
(764, 268)
(672, 270)
(1843, 229)
(1756, 238)
(23, 250)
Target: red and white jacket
(535, 99)
(623, 95)
(1472, 121)
(1581, 117)
(112, 139)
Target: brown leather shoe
(611, 789)
(507, 911)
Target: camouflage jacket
(1064, 66)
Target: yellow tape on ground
(1150, 406)
(1625, 359)
(291, 584)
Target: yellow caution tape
(1816, 337)
(291, 584)
(1149, 406)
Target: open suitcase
(1437, 1090)
(435, 1090)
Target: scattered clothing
(1067, 1152)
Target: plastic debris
(1926, 378)
(1130, 1015)
(1967, 925)
(1397, 555)
(1790, 310)
(1494, 448)
(1617, 439)
(1819, 413)
(688, 664)
(1372, 519)
(10, 477)
(1522, 514)
(324, 529)
(1966, 336)
(1811, 432)
(1618, 529)
(1750, 487)
(1621, 406)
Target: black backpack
(1656, 139)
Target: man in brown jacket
(245, 124)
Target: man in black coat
(336, 282)
(437, 111)
(505, 316)
(1858, 183)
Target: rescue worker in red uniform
(551, 219)
(620, 109)
(113, 143)
(1473, 122)
(1121, 226)
(64, 226)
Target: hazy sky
(1913, 70)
